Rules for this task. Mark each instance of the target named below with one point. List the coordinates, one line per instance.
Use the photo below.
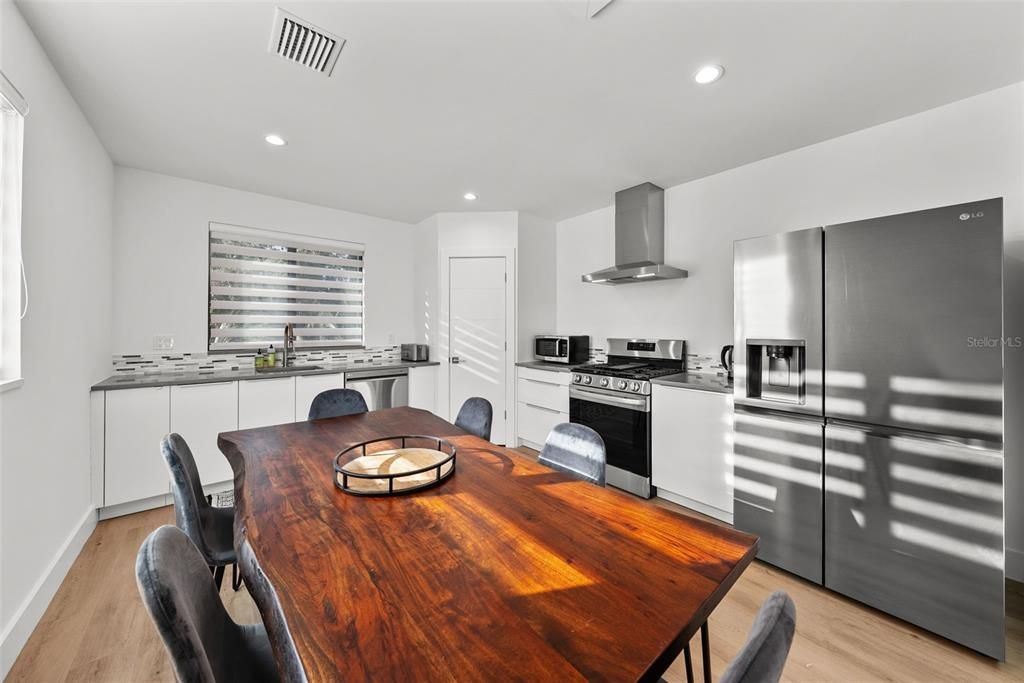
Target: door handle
(454, 360)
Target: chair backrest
(189, 501)
(263, 593)
(575, 449)
(204, 644)
(764, 654)
(336, 403)
(475, 417)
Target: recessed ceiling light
(469, 196)
(275, 140)
(709, 74)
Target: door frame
(444, 299)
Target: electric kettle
(727, 359)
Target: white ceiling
(529, 104)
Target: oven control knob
(621, 384)
(587, 380)
(636, 386)
(576, 379)
(604, 381)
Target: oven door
(624, 422)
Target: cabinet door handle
(545, 408)
(541, 381)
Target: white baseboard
(31, 610)
(1015, 564)
(702, 508)
(133, 506)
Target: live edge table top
(506, 571)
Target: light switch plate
(163, 342)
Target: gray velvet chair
(204, 643)
(575, 449)
(336, 403)
(211, 529)
(763, 656)
(475, 417)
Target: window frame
(270, 235)
(13, 111)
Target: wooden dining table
(507, 570)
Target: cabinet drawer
(535, 423)
(544, 395)
(548, 376)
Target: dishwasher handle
(377, 374)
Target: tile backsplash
(699, 364)
(212, 363)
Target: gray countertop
(690, 380)
(167, 379)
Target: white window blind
(12, 308)
(261, 280)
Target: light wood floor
(96, 628)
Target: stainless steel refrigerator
(869, 413)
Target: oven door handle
(637, 404)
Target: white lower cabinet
(264, 402)
(199, 412)
(423, 388)
(691, 439)
(542, 401)
(135, 420)
(307, 387)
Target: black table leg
(705, 646)
(689, 663)
(218, 577)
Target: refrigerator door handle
(887, 432)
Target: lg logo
(969, 216)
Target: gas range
(614, 399)
(630, 378)
(632, 363)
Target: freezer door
(915, 528)
(777, 489)
(913, 321)
(778, 299)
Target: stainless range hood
(639, 239)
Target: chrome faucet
(289, 345)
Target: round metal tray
(394, 465)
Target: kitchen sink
(291, 368)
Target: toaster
(415, 352)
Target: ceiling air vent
(299, 41)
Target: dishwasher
(381, 388)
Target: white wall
(161, 228)
(44, 425)
(968, 150)
(535, 282)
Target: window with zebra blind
(261, 280)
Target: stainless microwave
(556, 349)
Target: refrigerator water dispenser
(776, 370)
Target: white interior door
(476, 328)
